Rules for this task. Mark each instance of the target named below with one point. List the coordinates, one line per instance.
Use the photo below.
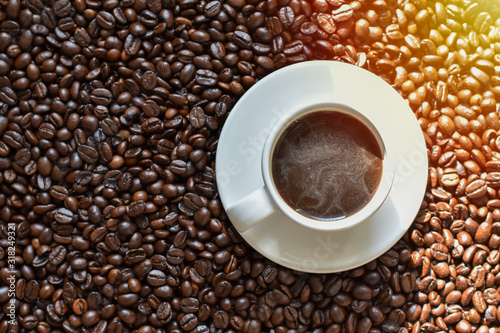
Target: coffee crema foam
(327, 165)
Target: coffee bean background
(109, 119)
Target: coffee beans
(242, 39)
(291, 147)
(343, 13)
(101, 96)
(88, 154)
(110, 114)
(105, 19)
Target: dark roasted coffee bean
(149, 80)
(105, 20)
(286, 16)
(156, 278)
(57, 255)
(58, 192)
(31, 290)
(79, 306)
(101, 96)
(132, 44)
(221, 319)
(164, 312)
(152, 125)
(188, 322)
(362, 292)
(82, 37)
(88, 154)
(151, 108)
(390, 326)
(242, 39)
(13, 139)
(136, 208)
(175, 256)
(206, 77)
(90, 318)
(62, 8)
(109, 120)
(343, 13)
(218, 50)
(327, 23)
(134, 256)
(64, 216)
(22, 157)
(197, 117)
(189, 305)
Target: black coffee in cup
(327, 165)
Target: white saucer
(239, 153)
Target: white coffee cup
(263, 203)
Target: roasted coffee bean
(189, 305)
(343, 13)
(136, 208)
(88, 154)
(151, 108)
(476, 189)
(389, 326)
(57, 255)
(82, 37)
(197, 117)
(62, 8)
(164, 312)
(149, 80)
(8, 96)
(31, 290)
(101, 96)
(206, 77)
(156, 278)
(362, 292)
(13, 139)
(212, 8)
(58, 192)
(134, 256)
(188, 322)
(242, 39)
(105, 19)
(439, 252)
(22, 157)
(64, 216)
(110, 116)
(308, 28)
(221, 319)
(132, 44)
(175, 256)
(79, 306)
(327, 23)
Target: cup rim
(350, 221)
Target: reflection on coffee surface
(327, 165)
